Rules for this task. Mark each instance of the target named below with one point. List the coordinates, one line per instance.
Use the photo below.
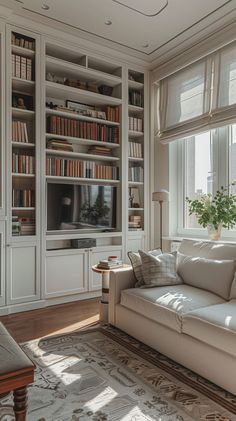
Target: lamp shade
(160, 196)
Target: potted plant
(215, 212)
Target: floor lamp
(160, 196)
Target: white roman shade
(198, 97)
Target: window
(205, 162)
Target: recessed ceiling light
(108, 22)
(145, 45)
(45, 7)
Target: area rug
(104, 374)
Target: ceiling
(145, 29)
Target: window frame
(221, 140)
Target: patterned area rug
(104, 374)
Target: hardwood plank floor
(52, 320)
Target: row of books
(19, 132)
(23, 198)
(109, 264)
(136, 124)
(136, 174)
(22, 67)
(136, 98)
(21, 41)
(23, 226)
(135, 222)
(61, 167)
(83, 129)
(135, 150)
(113, 114)
(23, 164)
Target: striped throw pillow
(136, 263)
(159, 270)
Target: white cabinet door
(66, 272)
(2, 264)
(95, 279)
(23, 273)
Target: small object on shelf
(59, 145)
(16, 226)
(22, 101)
(105, 90)
(100, 150)
(135, 222)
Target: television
(81, 207)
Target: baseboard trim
(35, 305)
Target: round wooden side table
(105, 293)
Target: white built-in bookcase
(43, 268)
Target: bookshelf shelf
(59, 91)
(81, 180)
(18, 84)
(22, 51)
(22, 114)
(23, 175)
(135, 109)
(135, 159)
(135, 85)
(86, 156)
(23, 209)
(135, 134)
(136, 183)
(23, 145)
(76, 116)
(136, 209)
(61, 67)
(82, 141)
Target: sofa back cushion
(208, 249)
(212, 275)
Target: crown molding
(197, 51)
(5, 12)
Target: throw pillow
(159, 270)
(136, 263)
(212, 275)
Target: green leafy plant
(216, 210)
(93, 213)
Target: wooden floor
(52, 320)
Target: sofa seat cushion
(214, 325)
(166, 304)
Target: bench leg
(20, 403)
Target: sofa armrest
(120, 279)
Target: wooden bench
(16, 372)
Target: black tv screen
(81, 207)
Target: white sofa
(193, 326)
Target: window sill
(197, 238)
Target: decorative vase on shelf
(213, 232)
